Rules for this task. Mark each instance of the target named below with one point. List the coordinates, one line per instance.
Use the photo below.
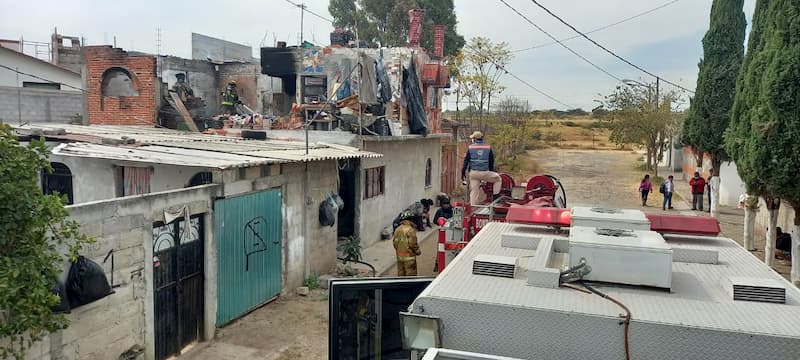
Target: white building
(34, 90)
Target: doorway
(348, 175)
(178, 279)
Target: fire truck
(539, 191)
(579, 283)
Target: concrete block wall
(120, 110)
(39, 105)
(108, 327)
(404, 160)
(67, 56)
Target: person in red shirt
(698, 185)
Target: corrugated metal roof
(699, 296)
(163, 146)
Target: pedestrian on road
(406, 247)
(479, 160)
(667, 188)
(698, 185)
(645, 188)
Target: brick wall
(246, 76)
(120, 110)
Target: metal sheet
(248, 235)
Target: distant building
(34, 90)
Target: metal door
(178, 280)
(248, 235)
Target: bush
(312, 282)
(536, 135)
(569, 123)
(552, 136)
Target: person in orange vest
(406, 247)
(480, 162)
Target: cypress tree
(709, 114)
(764, 134)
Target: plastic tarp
(417, 118)
(329, 208)
(384, 86)
(86, 282)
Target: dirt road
(595, 177)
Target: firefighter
(480, 162)
(405, 245)
(230, 98)
(183, 89)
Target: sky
(666, 42)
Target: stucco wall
(405, 181)
(42, 69)
(108, 327)
(95, 179)
(731, 185)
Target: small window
(201, 178)
(58, 182)
(118, 82)
(374, 182)
(133, 180)
(41, 85)
(428, 173)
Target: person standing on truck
(645, 188)
(480, 162)
(698, 185)
(406, 247)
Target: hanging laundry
(417, 118)
(367, 93)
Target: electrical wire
(606, 49)
(304, 8)
(509, 73)
(626, 317)
(598, 67)
(41, 78)
(603, 27)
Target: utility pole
(302, 7)
(658, 82)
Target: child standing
(645, 188)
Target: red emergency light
(523, 214)
(682, 224)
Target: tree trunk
(699, 158)
(769, 248)
(715, 181)
(749, 224)
(795, 274)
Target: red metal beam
(682, 224)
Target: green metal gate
(248, 234)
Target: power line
(562, 44)
(40, 78)
(603, 27)
(305, 8)
(503, 68)
(606, 49)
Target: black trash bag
(417, 117)
(60, 290)
(327, 213)
(86, 283)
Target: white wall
(405, 181)
(731, 186)
(95, 179)
(30, 65)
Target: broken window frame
(374, 182)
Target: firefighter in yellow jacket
(405, 245)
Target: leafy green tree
(34, 232)
(709, 114)
(385, 22)
(765, 123)
(638, 117)
(483, 65)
